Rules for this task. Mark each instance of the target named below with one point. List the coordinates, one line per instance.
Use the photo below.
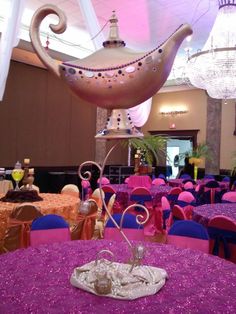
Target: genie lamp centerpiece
(114, 77)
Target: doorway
(176, 148)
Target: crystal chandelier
(214, 68)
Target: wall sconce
(173, 111)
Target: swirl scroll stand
(103, 284)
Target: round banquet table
(123, 192)
(60, 204)
(204, 213)
(36, 280)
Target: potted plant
(149, 148)
(200, 152)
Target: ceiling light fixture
(214, 68)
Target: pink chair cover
(104, 181)
(188, 198)
(132, 234)
(158, 181)
(165, 204)
(229, 196)
(48, 236)
(188, 186)
(127, 180)
(225, 223)
(187, 242)
(85, 184)
(178, 213)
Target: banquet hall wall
(42, 120)
(195, 101)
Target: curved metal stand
(87, 176)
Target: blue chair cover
(221, 236)
(209, 176)
(162, 176)
(226, 179)
(165, 216)
(188, 228)
(49, 222)
(183, 203)
(226, 201)
(185, 176)
(128, 222)
(172, 197)
(140, 199)
(108, 195)
(212, 184)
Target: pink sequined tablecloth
(36, 280)
(137, 181)
(123, 192)
(204, 213)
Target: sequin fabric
(123, 193)
(204, 213)
(37, 280)
(60, 204)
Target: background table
(60, 204)
(137, 181)
(204, 213)
(36, 280)
(123, 192)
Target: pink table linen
(36, 280)
(123, 193)
(136, 181)
(204, 213)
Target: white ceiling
(143, 24)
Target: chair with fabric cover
(49, 229)
(177, 214)
(173, 195)
(104, 181)
(222, 233)
(131, 228)
(189, 234)
(229, 197)
(226, 179)
(108, 192)
(209, 177)
(211, 194)
(187, 201)
(189, 187)
(86, 189)
(142, 196)
(126, 180)
(97, 197)
(18, 232)
(110, 205)
(158, 181)
(233, 187)
(71, 189)
(162, 176)
(166, 211)
(185, 176)
(83, 228)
